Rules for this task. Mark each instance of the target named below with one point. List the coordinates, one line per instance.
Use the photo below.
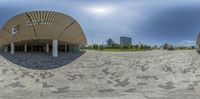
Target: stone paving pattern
(102, 75)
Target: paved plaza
(101, 75)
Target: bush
(170, 47)
(166, 46)
(101, 47)
(95, 46)
(90, 47)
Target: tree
(95, 46)
(89, 47)
(121, 47)
(145, 47)
(137, 46)
(155, 47)
(170, 47)
(141, 46)
(101, 47)
(165, 46)
(130, 46)
(110, 43)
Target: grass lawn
(128, 50)
(118, 50)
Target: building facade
(110, 42)
(198, 41)
(45, 31)
(125, 41)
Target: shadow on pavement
(41, 60)
(198, 51)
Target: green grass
(129, 50)
(118, 50)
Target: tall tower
(125, 41)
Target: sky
(148, 21)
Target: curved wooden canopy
(42, 25)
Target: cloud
(151, 22)
(186, 43)
(172, 24)
(126, 31)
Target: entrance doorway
(36, 48)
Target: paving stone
(16, 84)
(147, 75)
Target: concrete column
(25, 48)
(55, 48)
(12, 50)
(47, 48)
(6, 49)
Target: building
(42, 31)
(125, 41)
(110, 42)
(198, 41)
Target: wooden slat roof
(53, 25)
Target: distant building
(110, 42)
(125, 41)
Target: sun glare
(101, 11)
